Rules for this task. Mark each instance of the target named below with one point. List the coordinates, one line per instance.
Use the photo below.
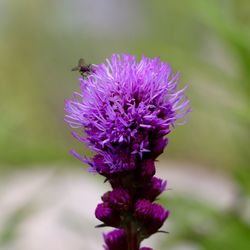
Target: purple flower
(123, 113)
(147, 169)
(115, 240)
(99, 165)
(157, 146)
(152, 189)
(107, 215)
(150, 215)
(118, 199)
(125, 109)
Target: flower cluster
(124, 111)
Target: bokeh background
(46, 197)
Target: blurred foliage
(205, 227)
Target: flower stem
(132, 239)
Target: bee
(83, 68)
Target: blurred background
(47, 199)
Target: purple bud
(146, 248)
(154, 188)
(118, 199)
(147, 169)
(107, 215)
(157, 147)
(100, 166)
(150, 215)
(115, 240)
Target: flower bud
(154, 188)
(118, 199)
(115, 240)
(147, 169)
(100, 166)
(157, 147)
(150, 215)
(107, 215)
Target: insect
(83, 68)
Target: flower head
(150, 215)
(124, 112)
(152, 189)
(146, 170)
(125, 109)
(107, 215)
(115, 240)
(119, 199)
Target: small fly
(83, 68)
